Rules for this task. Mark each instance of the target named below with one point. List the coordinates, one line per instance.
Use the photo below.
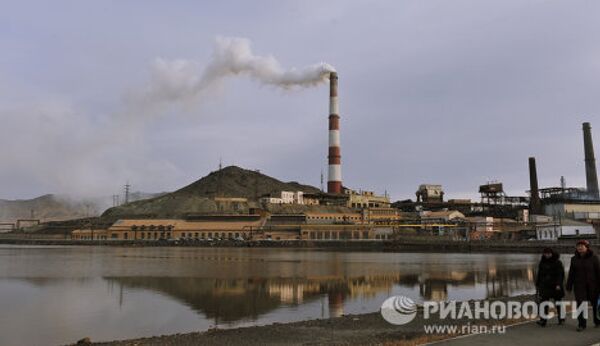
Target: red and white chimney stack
(334, 181)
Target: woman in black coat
(549, 282)
(584, 279)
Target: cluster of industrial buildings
(341, 213)
(350, 215)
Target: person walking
(550, 283)
(584, 280)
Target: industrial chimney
(534, 202)
(334, 182)
(591, 177)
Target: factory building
(430, 217)
(576, 210)
(235, 204)
(284, 197)
(366, 199)
(334, 218)
(565, 229)
(310, 200)
(368, 216)
(199, 227)
(582, 204)
(381, 215)
(304, 226)
(480, 223)
(430, 193)
(492, 194)
(437, 221)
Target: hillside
(198, 197)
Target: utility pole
(321, 179)
(256, 184)
(127, 187)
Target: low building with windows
(193, 227)
(381, 215)
(89, 234)
(344, 232)
(565, 229)
(334, 218)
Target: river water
(57, 295)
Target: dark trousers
(559, 308)
(581, 319)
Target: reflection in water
(226, 301)
(116, 293)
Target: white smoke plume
(180, 80)
(85, 154)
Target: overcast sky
(450, 92)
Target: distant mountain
(45, 208)
(198, 197)
(58, 208)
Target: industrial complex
(341, 213)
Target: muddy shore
(364, 329)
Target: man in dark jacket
(584, 279)
(549, 283)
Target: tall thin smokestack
(591, 177)
(334, 181)
(534, 202)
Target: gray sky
(450, 92)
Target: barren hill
(198, 197)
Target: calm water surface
(57, 295)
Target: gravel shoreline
(364, 329)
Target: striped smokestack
(591, 177)
(334, 181)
